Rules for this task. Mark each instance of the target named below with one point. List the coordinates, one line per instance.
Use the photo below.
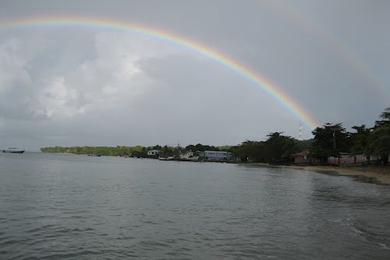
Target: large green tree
(360, 140)
(330, 140)
(250, 151)
(279, 148)
(380, 137)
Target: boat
(13, 150)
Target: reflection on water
(65, 206)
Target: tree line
(131, 151)
(329, 140)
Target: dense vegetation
(329, 140)
(133, 151)
(98, 150)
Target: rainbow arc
(224, 59)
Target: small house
(153, 153)
(302, 157)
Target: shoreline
(370, 174)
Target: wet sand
(375, 174)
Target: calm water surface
(80, 207)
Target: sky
(97, 85)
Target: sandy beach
(374, 174)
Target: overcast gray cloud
(82, 85)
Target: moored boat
(13, 150)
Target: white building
(153, 153)
(217, 155)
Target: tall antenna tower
(300, 131)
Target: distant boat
(13, 150)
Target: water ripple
(82, 208)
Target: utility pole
(300, 130)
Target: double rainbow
(222, 58)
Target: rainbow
(287, 11)
(222, 58)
